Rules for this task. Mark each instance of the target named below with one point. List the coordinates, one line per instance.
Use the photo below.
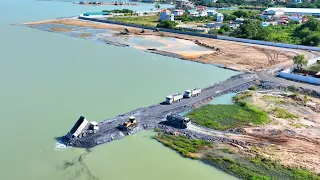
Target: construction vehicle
(178, 121)
(192, 92)
(82, 128)
(125, 32)
(128, 125)
(174, 98)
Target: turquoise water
(48, 80)
(224, 99)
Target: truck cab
(169, 99)
(94, 126)
(187, 93)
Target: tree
(225, 28)
(300, 61)
(157, 6)
(166, 24)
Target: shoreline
(230, 55)
(105, 4)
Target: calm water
(48, 80)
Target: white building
(211, 12)
(166, 15)
(297, 11)
(178, 12)
(219, 17)
(274, 12)
(295, 19)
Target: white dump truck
(192, 92)
(82, 128)
(174, 98)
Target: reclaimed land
(233, 55)
(232, 160)
(292, 120)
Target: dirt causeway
(233, 55)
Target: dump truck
(178, 120)
(82, 128)
(192, 92)
(128, 125)
(174, 98)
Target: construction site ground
(292, 139)
(233, 55)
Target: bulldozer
(128, 125)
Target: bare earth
(233, 55)
(294, 141)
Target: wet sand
(233, 55)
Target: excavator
(128, 125)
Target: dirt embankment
(234, 55)
(292, 136)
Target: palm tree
(300, 61)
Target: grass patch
(253, 88)
(227, 150)
(299, 125)
(314, 67)
(248, 168)
(222, 117)
(283, 113)
(273, 99)
(143, 20)
(182, 144)
(258, 168)
(243, 96)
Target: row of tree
(306, 34)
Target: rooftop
(296, 10)
(96, 13)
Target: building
(297, 11)
(147, 1)
(211, 12)
(178, 12)
(166, 15)
(184, 4)
(214, 25)
(193, 13)
(274, 12)
(297, 1)
(95, 14)
(202, 11)
(295, 18)
(239, 20)
(219, 17)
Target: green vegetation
(182, 144)
(283, 113)
(273, 99)
(248, 168)
(259, 4)
(224, 117)
(141, 20)
(257, 168)
(306, 34)
(315, 67)
(157, 130)
(166, 24)
(242, 96)
(126, 11)
(253, 88)
(300, 61)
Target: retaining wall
(287, 74)
(250, 41)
